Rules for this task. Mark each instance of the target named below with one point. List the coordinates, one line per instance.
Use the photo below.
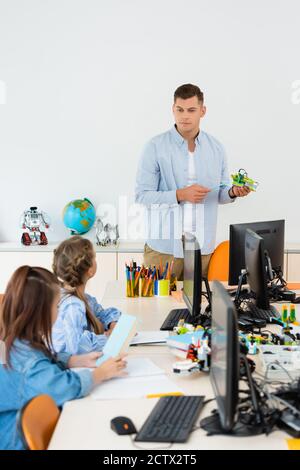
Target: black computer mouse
(122, 425)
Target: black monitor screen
(192, 274)
(224, 368)
(273, 234)
(255, 257)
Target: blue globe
(79, 216)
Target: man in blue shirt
(182, 177)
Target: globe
(79, 216)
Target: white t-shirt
(189, 209)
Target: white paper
(145, 337)
(134, 387)
(142, 367)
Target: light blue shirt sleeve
(224, 197)
(147, 180)
(105, 315)
(44, 376)
(70, 333)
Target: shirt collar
(178, 137)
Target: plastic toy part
(241, 179)
(197, 358)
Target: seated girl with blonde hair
(83, 325)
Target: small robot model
(34, 222)
(241, 179)
(197, 359)
(106, 234)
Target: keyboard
(254, 312)
(171, 420)
(174, 317)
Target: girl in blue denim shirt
(30, 367)
(82, 325)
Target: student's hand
(111, 327)
(113, 367)
(193, 194)
(237, 191)
(84, 360)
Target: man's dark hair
(188, 91)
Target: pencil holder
(162, 288)
(132, 288)
(146, 287)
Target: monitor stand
(212, 424)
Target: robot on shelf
(34, 223)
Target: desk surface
(85, 423)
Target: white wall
(89, 82)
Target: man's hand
(237, 191)
(193, 194)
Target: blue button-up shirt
(71, 333)
(31, 374)
(163, 168)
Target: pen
(159, 395)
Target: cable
(277, 363)
(149, 448)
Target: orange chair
(218, 268)
(37, 421)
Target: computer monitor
(256, 266)
(273, 234)
(192, 288)
(225, 359)
(192, 274)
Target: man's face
(187, 114)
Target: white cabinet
(111, 263)
(106, 271)
(108, 258)
(11, 260)
(285, 260)
(293, 267)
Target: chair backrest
(218, 268)
(38, 420)
(1, 298)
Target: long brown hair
(26, 311)
(72, 260)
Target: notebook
(150, 337)
(118, 341)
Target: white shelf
(121, 247)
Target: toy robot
(241, 179)
(34, 222)
(197, 359)
(106, 235)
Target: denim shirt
(33, 373)
(71, 333)
(163, 168)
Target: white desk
(85, 423)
